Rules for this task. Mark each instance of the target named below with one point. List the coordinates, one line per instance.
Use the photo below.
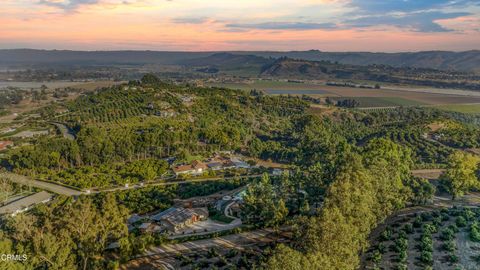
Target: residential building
(176, 218)
(196, 167)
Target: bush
(461, 221)
(475, 232)
(449, 246)
(454, 228)
(468, 214)
(386, 234)
(426, 257)
(429, 229)
(376, 256)
(447, 234)
(401, 244)
(381, 247)
(417, 223)
(408, 228)
(426, 216)
(453, 258)
(402, 257)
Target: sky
(227, 25)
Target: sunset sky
(207, 25)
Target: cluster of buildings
(215, 164)
(171, 220)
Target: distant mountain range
(468, 61)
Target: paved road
(174, 182)
(59, 189)
(67, 133)
(24, 180)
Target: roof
(198, 165)
(4, 144)
(201, 211)
(26, 202)
(177, 215)
(145, 226)
(182, 168)
(190, 167)
(214, 164)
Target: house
(239, 164)
(215, 166)
(5, 144)
(176, 218)
(197, 167)
(25, 203)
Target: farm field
(366, 102)
(461, 108)
(382, 97)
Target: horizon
(237, 51)
(286, 25)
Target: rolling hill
(444, 60)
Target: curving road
(55, 188)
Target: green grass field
(461, 108)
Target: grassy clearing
(461, 108)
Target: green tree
(262, 206)
(460, 175)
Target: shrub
(402, 257)
(453, 258)
(376, 257)
(408, 228)
(468, 214)
(417, 223)
(461, 221)
(449, 246)
(426, 257)
(401, 244)
(447, 234)
(429, 228)
(454, 228)
(475, 232)
(386, 234)
(381, 247)
(426, 216)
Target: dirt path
(160, 254)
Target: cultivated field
(400, 96)
(462, 108)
